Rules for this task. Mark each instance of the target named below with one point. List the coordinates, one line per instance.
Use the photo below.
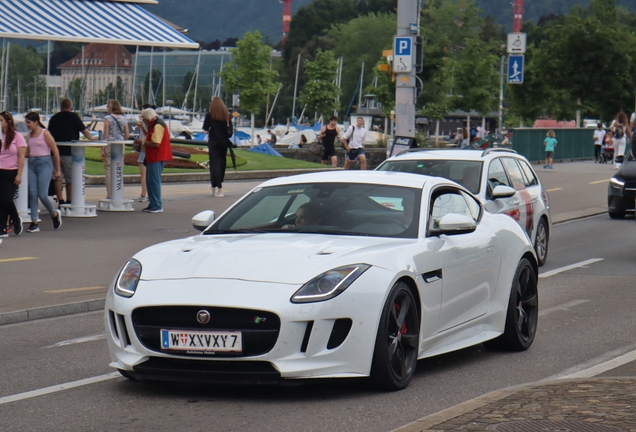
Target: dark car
(621, 191)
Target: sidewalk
(577, 405)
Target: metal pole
(295, 87)
(405, 82)
(4, 51)
(501, 91)
(132, 92)
(48, 73)
(116, 58)
(196, 84)
(81, 101)
(6, 77)
(273, 104)
(361, 87)
(163, 79)
(150, 92)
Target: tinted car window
(497, 175)
(466, 173)
(332, 208)
(529, 176)
(514, 172)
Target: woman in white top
(620, 129)
(115, 129)
(41, 146)
(354, 144)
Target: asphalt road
(586, 298)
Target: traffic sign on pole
(516, 43)
(515, 69)
(403, 54)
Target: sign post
(404, 60)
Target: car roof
(387, 178)
(457, 154)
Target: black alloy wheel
(523, 311)
(397, 341)
(541, 242)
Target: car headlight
(329, 284)
(616, 184)
(126, 283)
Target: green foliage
(25, 66)
(362, 40)
(320, 92)
(249, 72)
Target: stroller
(607, 152)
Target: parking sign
(403, 54)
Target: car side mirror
(503, 192)
(455, 223)
(203, 220)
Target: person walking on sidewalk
(12, 152)
(549, 143)
(329, 134)
(157, 148)
(41, 167)
(115, 129)
(218, 127)
(143, 197)
(620, 129)
(599, 136)
(354, 144)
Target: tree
(25, 66)
(361, 40)
(320, 92)
(249, 73)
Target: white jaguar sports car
(328, 275)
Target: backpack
(619, 130)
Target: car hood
(627, 171)
(279, 258)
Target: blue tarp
(317, 126)
(239, 135)
(265, 149)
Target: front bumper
(332, 339)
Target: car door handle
(432, 276)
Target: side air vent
(303, 347)
(339, 332)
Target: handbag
(316, 148)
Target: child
(549, 144)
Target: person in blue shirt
(549, 144)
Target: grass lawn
(245, 161)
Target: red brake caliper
(403, 330)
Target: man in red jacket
(158, 150)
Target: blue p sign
(403, 46)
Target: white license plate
(202, 341)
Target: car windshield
(326, 208)
(466, 173)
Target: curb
(428, 423)
(51, 311)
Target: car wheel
(523, 311)
(541, 242)
(126, 375)
(617, 215)
(397, 341)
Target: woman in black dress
(329, 134)
(218, 126)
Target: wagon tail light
(329, 284)
(126, 283)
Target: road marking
(57, 388)
(17, 259)
(570, 267)
(599, 182)
(77, 341)
(554, 190)
(561, 307)
(599, 365)
(68, 290)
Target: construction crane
(517, 22)
(287, 16)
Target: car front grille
(259, 329)
(629, 189)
